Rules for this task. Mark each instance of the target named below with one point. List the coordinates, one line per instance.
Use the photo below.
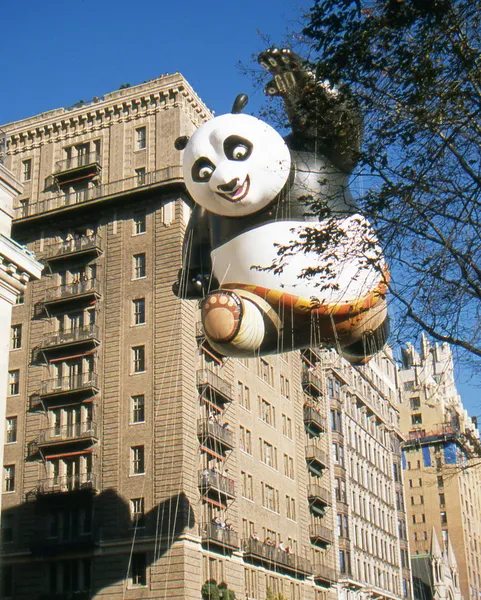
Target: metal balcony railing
(211, 481)
(107, 190)
(73, 246)
(316, 458)
(221, 389)
(314, 421)
(77, 431)
(76, 162)
(70, 290)
(70, 336)
(319, 494)
(311, 383)
(72, 383)
(72, 483)
(274, 557)
(325, 573)
(212, 533)
(208, 430)
(321, 534)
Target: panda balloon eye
(202, 170)
(237, 148)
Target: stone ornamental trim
(117, 107)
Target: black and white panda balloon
(251, 191)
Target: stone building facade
(441, 462)
(145, 466)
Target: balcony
(311, 384)
(82, 162)
(216, 486)
(67, 385)
(321, 536)
(70, 337)
(324, 575)
(314, 421)
(68, 483)
(61, 293)
(317, 460)
(79, 247)
(214, 436)
(52, 436)
(211, 534)
(45, 545)
(273, 558)
(101, 193)
(319, 498)
(214, 387)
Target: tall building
(441, 462)
(143, 465)
(17, 267)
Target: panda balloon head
(234, 165)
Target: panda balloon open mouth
(239, 193)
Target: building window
(140, 222)
(444, 517)
(16, 339)
(137, 511)
(270, 497)
(285, 387)
(415, 403)
(138, 569)
(139, 266)
(247, 486)
(139, 311)
(288, 466)
(27, 169)
(9, 478)
(417, 419)
(265, 371)
(6, 536)
(268, 454)
(287, 426)
(11, 436)
(244, 395)
(137, 456)
(141, 138)
(6, 581)
(138, 359)
(14, 382)
(245, 443)
(442, 501)
(290, 508)
(342, 561)
(138, 409)
(140, 174)
(267, 412)
(440, 482)
(24, 204)
(20, 299)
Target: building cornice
(124, 105)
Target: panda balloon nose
(230, 186)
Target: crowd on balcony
(75, 241)
(216, 418)
(314, 404)
(221, 524)
(270, 543)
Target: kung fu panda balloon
(253, 191)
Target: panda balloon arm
(195, 277)
(322, 119)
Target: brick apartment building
(139, 465)
(442, 473)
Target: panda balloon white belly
(252, 259)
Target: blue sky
(56, 53)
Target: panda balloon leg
(238, 323)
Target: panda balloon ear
(181, 142)
(239, 103)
